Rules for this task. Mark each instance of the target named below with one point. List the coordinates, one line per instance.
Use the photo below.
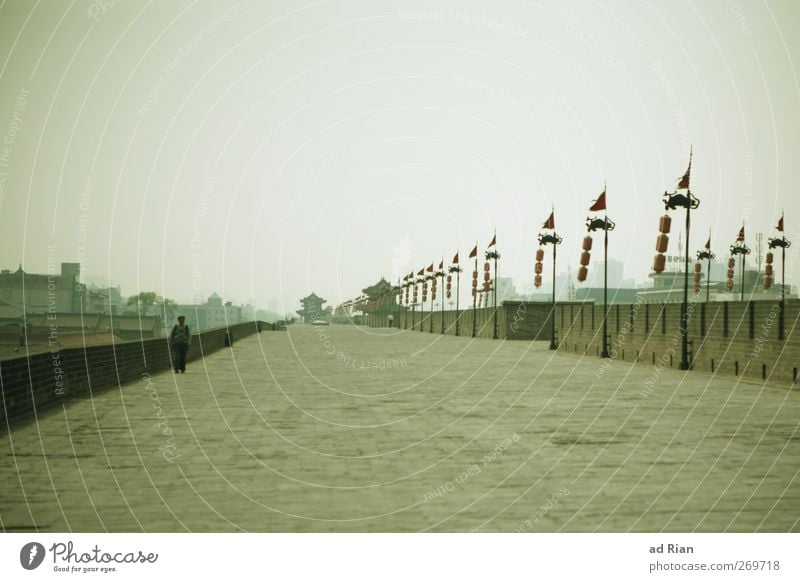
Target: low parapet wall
(737, 338)
(29, 385)
(516, 320)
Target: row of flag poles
(681, 197)
(409, 288)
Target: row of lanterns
(537, 268)
(583, 270)
(662, 242)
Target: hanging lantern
(486, 266)
(449, 279)
(664, 224)
(767, 282)
(537, 281)
(587, 243)
(698, 267)
(659, 263)
(730, 273)
(770, 257)
(768, 270)
(487, 285)
(582, 273)
(662, 242)
(486, 276)
(729, 284)
(474, 275)
(537, 268)
(731, 263)
(585, 256)
(540, 254)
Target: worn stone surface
(388, 430)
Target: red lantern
(540, 254)
(587, 243)
(662, 242)
(659, 263)
(664, 224)
(582, 272)
(767, 282)
(585, 256)
(537, 268)
(537, 281)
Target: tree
(150, 303)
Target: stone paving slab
(347, 428)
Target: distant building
(103, 300)
(213, 313)
(668, 287)
(36, 293)
(615, 295)
(312, 308)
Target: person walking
(180, 339)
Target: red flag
(550, 222)
(474, 252)
(599, 204)
(741, 234)
(430, 269)
(708, 244)
(441, 265)
(455, 259)
(683, 184)
(780, 224)
(421, 272)
(494, 241)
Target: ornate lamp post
(441, 274)
(673, 201)
(494, 255)
(784, 244)
(454, 268)
(555, 240)
(707, 255)
(740, 248)
(604, 224)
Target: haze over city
(267, 151)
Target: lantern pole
(688, 201)
(475, 299)
(554, 240)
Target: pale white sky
(265, 151)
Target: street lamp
(554, 240)
(604, 224)
(673, 201)
(740, 248)
(494, 255)
(708, 256)
(784, 244)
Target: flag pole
(475, 297)
(458, 293)
(441, 291)
(744, 259)
(708, 275)
(605, 353)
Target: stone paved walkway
(355, 429)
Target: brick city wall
(29, 385)
(516, 320)
(733, 338)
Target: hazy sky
(267, 149)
